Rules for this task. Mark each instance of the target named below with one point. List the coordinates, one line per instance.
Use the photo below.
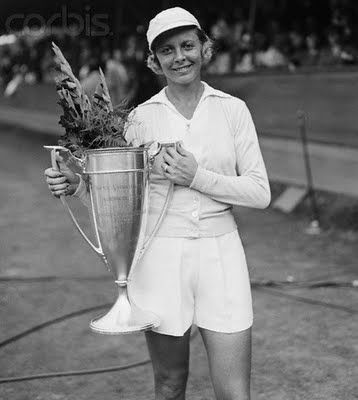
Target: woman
(195, 269)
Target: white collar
(162, 98)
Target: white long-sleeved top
(231, 171)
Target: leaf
(106, 94)
(101, 97)
(64, 65)
(88, 126)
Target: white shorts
(201, 281)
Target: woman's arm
(251, 187)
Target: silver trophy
(118, 186)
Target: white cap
(169, 19)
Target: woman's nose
(179, 55)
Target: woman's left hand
(179, 165)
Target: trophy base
(124, 317)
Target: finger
(59, 193)
(56, 161)
(168, 159)
(181, 150)
(165, 168)
(52, 173)
(55, 188)
(58, 157)
(56, 181)
(59, 189)
(61, 164)
(172, 152)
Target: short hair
(207, 43)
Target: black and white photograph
(179, 200)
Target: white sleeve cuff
(202, 180)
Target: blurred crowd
(240, 47)
(27, 57)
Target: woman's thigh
(169, 355)
(229, 356)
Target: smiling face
(180, 56)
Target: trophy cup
(118, 185)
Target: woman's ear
(207, 52)
(153, 64)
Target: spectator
(272, 56)
(312, 54)
(336, 53)
(220, 30)
(90, 82)
(222, 59)
(84, 59)
(117, 77)
(244, 57)
(238, 27)
(47, 65)
(297, 48)
(245, 63)
(5, 65)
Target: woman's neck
(187, 94)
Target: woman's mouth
(184, 68)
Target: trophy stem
(124, 317)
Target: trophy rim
(139, 149)
(116, 149)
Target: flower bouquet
(88, 125)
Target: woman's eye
(165, 50)
(188, 46)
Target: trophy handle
(154, 148)
(168, 198)
(160, 218)
(55, 166)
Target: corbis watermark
(87, 23)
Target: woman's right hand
(62, 182)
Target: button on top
(194, 214)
